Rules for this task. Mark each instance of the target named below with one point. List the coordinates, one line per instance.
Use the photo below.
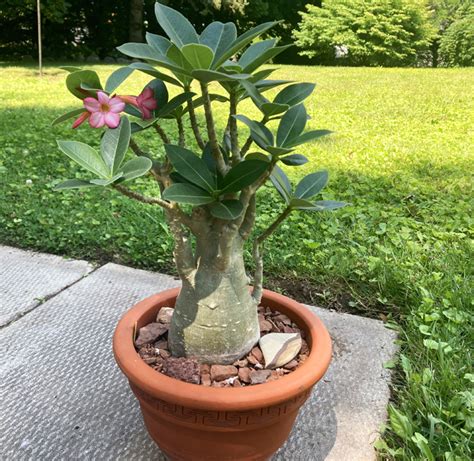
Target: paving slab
(63, 398)
(28, 278)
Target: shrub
(457, 43)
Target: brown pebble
(205, 368)
(284, 319)
(302, 358)
(244, 374)
(304, 347)
(162, 344)
(164, 315)
(257, 353)
(222, 372)
(182, 368)
(206, 379)
(252, 360)
(164, 353)
(259, 376)
(241, 363)
(150, 333)
(237, 383)
(265, 325)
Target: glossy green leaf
(329, 204)
(294, 160)
(307, 137)
(106, 182)
(265, 57)
(75, 79)
(158, 42)
(74, 184)
(291, 125)
(258, 156)
(207, 76)
(242, 175)
(176, 26)
(240, 42)
(259, 132)
(85, 156)
(294, 94)
(117, 77)
(114, 145)
(218, 37)
(150, 70)
(160, 92)
(67, 116)
(253, 92)
(255, 50)
(173, 104)
(227, 209)
(281, 182)
(311, 184)
(270, 108)
(301, 203)
(191, 167)
(199, 56)
(136, 167)
(187, 193)
(277, 151)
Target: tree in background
(457, 43)
(135, 28)
(370, 33)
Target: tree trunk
(215, 317)
(135, 28)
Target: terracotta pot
(191, 422)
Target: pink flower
(81, 119)
(145, 101)
(103, 110)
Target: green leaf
(173, 104)
(76, 79)
(187, 193)
(114, 145)
(70, 69)
(191, 167)
(422, 444)
(258, 156)
(308, 136)
(255, 50)
(241, 42)
(85, 156)
(161, 44)
(136, 167)
(311, 184)
(265, 57)
(277, 151)
(270, 109)
(242, 175)
(117, 77)
(301, 203)
(176, 26)
(281, 183)
(150, 70)
(252, 91)
(160, 92)
(106, 182)
(294, 160)
(207, 76)
(74, 184)
(329, 204)
(227, 209)
(67, 116)
(218, 37)
(294, 94)
(259, 132)
(291, 125)
(400, 423)
(200, 100)
(199, 56)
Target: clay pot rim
(223, 399)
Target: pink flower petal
(97, 120)
(146, 113)
(148, 93)
(91, 104)
(150, 104)
(102, 97)
(81, 119)
(116, 105)
(129, 100)
(112, 120)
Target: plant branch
(249, 219)
(258, 255)
(161, 132)
(194, 124)
(211, 130)
(142, 198)
(232, 124)
(181, 140)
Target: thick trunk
(135, 28)
(215, 318)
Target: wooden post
(40, 53)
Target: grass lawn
(402, 156)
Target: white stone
(279, 348)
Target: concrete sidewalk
(63, 398)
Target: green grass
(401, 155)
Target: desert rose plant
(208, 189)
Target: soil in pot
(152, 346)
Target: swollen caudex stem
(208, 187)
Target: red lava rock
(265, 325)
(283, 318)
(274, 375)
(164, 353)
(161, 344)
(205, 368)
(291, 365)
(182, 368)
(218, 384)
(237, 383)
(206, 379)
(257, 353)
(302, 358)
(259, 376)
(304, 347)
(252, 360)
(241, 363)
(287, 329)
(244, 374)
(222, 372)
(150, 333)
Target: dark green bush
(457, 43)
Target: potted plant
(208, 192)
